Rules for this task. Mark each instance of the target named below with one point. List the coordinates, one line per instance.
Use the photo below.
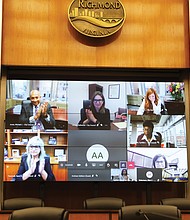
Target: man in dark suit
(149, 138)
(36, 113)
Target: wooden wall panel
(37, 33)
(70, 195)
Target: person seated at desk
(37, 113)
(97, 116)
(35, 163)
(149, 138)
(151, 104)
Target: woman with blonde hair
(35, 163)
(151, 104)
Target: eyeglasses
(35, 147)
(160, 161)
(98, 100)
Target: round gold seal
(96, 18)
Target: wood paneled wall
(37, 33)
(70, 195)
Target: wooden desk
(4, 214)
(93, 214)
(185, 214)
(90, 215)
(78, 214)
(175, 107)
(13, 115)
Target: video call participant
(151, 104)
(159, 161)
(37, 113)
(97, 116)
(149, 138)
(124, 176)
(35, 164)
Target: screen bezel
(102, 74)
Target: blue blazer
(36, 176)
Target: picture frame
(114, 91)
(15, 153)
(58, 152)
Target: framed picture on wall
(114, 91)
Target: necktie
(38, 124)
(36, 109)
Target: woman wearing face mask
(151, 104)
(97, 116)
(35, 163)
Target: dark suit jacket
(36, 176)
(27, 112)
(103, 120)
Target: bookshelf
(15, 145)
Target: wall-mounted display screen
(95, 131)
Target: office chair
(149, 212)
(21, 203)
(181, 203)
(104, 203)
(121, 112)
(39, 213)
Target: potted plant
(175, 106)
(176, 90)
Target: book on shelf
(22, 130)
(24, 140)
(54, 130)
(52, 140)
(15, 141)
